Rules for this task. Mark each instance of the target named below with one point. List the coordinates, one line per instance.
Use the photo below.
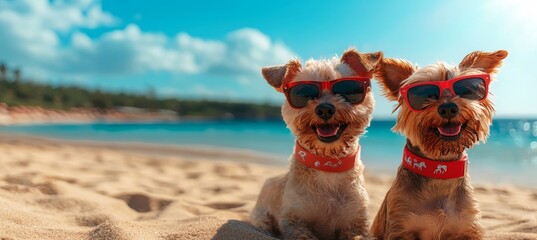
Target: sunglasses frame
(443, 85)
(286, 88)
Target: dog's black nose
(448, 110)
(325, 110)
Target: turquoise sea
(508, 157)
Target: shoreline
(214, 153)
(155, 150)
(27, 115)
(217, 153)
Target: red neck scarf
(326, 164)
(435, 169)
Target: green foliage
(16, 91)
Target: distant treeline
(15, 91)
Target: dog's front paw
(357, 237)
(301, 233)
(301, 237)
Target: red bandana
(323, 163)
(434, 169)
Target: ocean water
(508, 157)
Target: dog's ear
(488, 62)
(280, 74)
(390, 73)
(363, 64)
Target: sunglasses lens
(299, 95)
(420, 96)
(352, 91)
(470, 88)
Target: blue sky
(202, 49)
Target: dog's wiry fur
(417, 207)
(307, 203)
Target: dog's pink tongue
(450, 130)
(327, 131)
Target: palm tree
(3, 69)
(17, 73)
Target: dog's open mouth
(329, 133)
(450, 131)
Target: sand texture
(57, 190)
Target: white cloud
(29, 29)
(58, 15)
(127, 51)
(31, 33)
(247, 50)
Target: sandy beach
(52, 189)
(35, 115)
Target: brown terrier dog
(329, 105)
(443, 111)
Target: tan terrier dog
(443, 111)
(329, 105)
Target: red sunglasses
(352, 89)
(419, 95)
